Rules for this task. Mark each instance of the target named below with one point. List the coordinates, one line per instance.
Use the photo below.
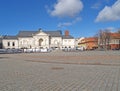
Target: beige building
(38, 40)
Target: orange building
(89, 43)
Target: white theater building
(38, 39)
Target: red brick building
(114, 41)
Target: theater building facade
(39, 39)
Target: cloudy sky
(80, 17)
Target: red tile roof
(115, 35)
(91, 39)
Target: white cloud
(111, 29)
(77, 19)
(109, 13)
(99, 3)
(107, 1)
(96, 5)
(65, 24)
(65, 8)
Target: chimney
(66, 33)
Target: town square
(60, 71)
(59, 45)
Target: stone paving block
(17, 74)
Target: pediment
(40, 33)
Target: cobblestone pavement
(47, 72)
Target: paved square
(60, 71)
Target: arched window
(55, 42)
(40, 41)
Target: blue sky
(83, 18)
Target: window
(114, 41)
(21, 42)
(117, 41)
(8, 43)
(65, 40)
(13, 44)
(40, 41)
(55, 42)
(25, 42)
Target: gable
(40, 33)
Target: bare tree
(96, 36)
(100, 38)
(104, 39)
(119, 31)
(0, 42)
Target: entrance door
(40, 41)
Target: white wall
(45, 42)
(5, 43)
(68, 43)
(114, 41)
(33, 42)
(56, 42)
(25, 42)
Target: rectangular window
(117, 41)
(65, 40)
(21, 42)
(13, 44)
(114, 41)
(8, 43)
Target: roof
(67, 37)
(57, 33)
(9, 37)
(115, 35)
(90, 39)
(54, 33)
(30, 33)
(26, 33)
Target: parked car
(80, 48)
(2, 51)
